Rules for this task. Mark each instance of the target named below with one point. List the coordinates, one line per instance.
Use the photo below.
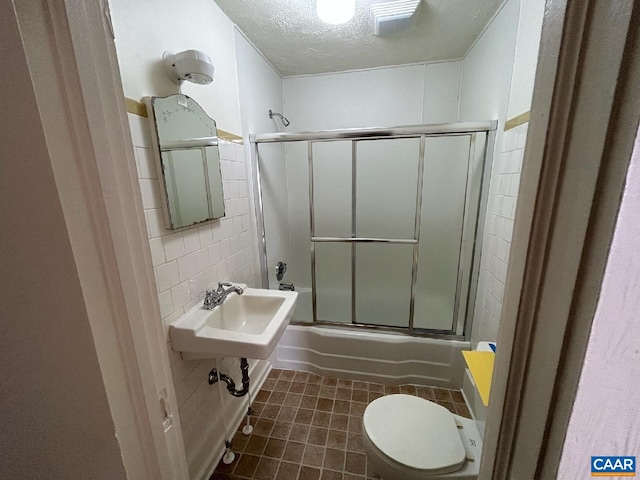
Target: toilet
(409, 438)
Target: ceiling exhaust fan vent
(392, 17)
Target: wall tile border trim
(140, 109)
(517, 121)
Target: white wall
(606, 413)
(383, 97)
(56, 417)
(499, 73)
(186, 263)
(144, 29)
(526, 56)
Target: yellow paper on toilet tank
(481, 367)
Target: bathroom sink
(248, 325)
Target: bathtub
(389, 358)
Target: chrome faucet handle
(223, 284)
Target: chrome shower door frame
(461, 326)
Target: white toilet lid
(416, 433)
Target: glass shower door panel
(333, 282)
(386, 187)
(383, 284)
(275, 206)
(442, 217)
(332, 188)
(299, 267)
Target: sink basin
(248, 325)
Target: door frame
(577, 153)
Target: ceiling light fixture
(335, 12)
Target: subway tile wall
(185, 264)
(503, 195)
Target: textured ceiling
(296, 42)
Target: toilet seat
(415, 433)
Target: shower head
(285, 122)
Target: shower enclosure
(380, 228)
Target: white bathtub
(387, 358)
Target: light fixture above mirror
(335, 12)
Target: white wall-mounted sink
(248, 325)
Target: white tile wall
(188, 262)
(503, 196)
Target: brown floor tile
(269, 384)
(314, 379)
(321, 419)
(308, 402)
(293, 452)
(292, 399)
(328, 392)
(331, 475)
(313, 455)
(343, 393)
(297, 387)
(299, 433)
(282, 386)
(354, 442)
(287, 375)
(391, 389)
(456, 396)
(350, 476)
(301, 377)
(342, 406)
(426, 393)
(376, 387)
(337, 439)
(270, 411)
(448, 405)
(361, 385)
(263, 426)
(408, 389)
(318, 436)
(247, 465)
(256, 444)
(287, 414)
(355, 463)
(462, 410)
(288, 471)
(330, 381)
(324, 405)
(309, 473)
(357, 409)
(339, 421)
(312, 390)
(239, 441)
(334, 459)
(441, 395)
(274, 374)
(267, 469)
(257, 408)
(263, 396)
(304, 416)
(355, 425)
(375, 395)
(275, 448)
(281, 430)
(344, 383)
(360, 396)
(226, 469)
(277, 398)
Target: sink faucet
(215, 297)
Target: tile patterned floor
(308, 427)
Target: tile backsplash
(186, 263)
(503, 196)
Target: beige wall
(56, 419)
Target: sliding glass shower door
(381, 231)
